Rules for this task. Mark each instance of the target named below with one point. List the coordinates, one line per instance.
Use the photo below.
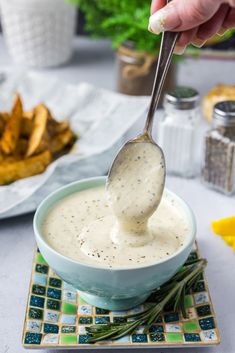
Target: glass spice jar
(136, 71)
(218, 169)
(177, 131)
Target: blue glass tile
(82, 339)
(171, 317)
(37, 301)
(156, 328)
(203, 310)
(68, 329)
(119, 319)
(55, 282)
(41, 268)
(85, 320)
(199, 287)
(35, 313)
(157, 337)
(100, 311)
(53, 304)
(192, 337)
(32, 338)
(139, 338)
(37, 289)
(54, 293)
(102, 319)
(207, 324)
(50, 328)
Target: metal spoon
(128, 149)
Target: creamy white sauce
(82, 227)
(134, 191)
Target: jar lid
(224, 113)
(182, 98)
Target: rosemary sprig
(172, 292)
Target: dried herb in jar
(219, 159)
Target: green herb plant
(120, 21)
(172, 294)
(124, 20)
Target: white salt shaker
(177, 131)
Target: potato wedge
(12, 169)
(55, 127)
(11, 131)
(27, 123)
(28, 115)
(39, 128)
(61, 140)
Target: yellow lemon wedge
(225, 227)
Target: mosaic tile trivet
(56, 317)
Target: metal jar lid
(224, 113)
(182, 98)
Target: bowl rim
(190, 239)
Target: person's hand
(198, 20)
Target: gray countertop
(94, 62)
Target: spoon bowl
(140, 163)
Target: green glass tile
(55, 282)
(37, 289)
(53, 304)
(190, 326)
(68, 339)
(40, 259)
(68, 329)
(188, 301)
(174, 337)
(35, 313)
(68, 308)
(41, 268)
(85, 320)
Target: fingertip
(156, 5)
(179, 50)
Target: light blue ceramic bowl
(114, 289)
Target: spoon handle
(164, 59)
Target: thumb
(181, 15)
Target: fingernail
(222, 31)
(156, 22)
(163, 20)
(179, 50)
(197, 42)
